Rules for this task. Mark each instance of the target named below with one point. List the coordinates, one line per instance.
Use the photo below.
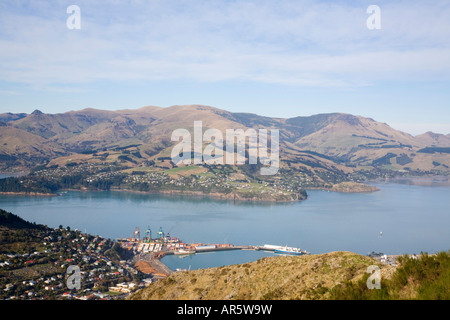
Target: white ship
(184, 251)
(290, 250)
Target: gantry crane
(148, 235)
(136, 234)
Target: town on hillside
(35, 263)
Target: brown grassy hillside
(318, 141)
(282, 277)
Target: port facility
(164, 244)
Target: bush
(428, 275)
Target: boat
(290, 251)
(184, 251)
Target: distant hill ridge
(27, 140)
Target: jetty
(148, 251)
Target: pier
(151, 265)
(156, 267)
(218, 248)
(148, 251)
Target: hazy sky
(278, 58)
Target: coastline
(345, 187)
(31, 194)
(190, 193)
(348, 187)
(353, 187)
(213, 195)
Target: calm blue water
(411, 218)
(214, 259)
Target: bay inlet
(400, 218)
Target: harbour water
(214, 259)
(400, 218)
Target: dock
(155, 266)
(213, 248)
(148, 251)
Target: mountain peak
(430, 134)
(37, 112)
(349, 119)
(434, 139)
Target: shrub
(430, 275)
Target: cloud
(305, 43)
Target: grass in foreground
(332, 276)
(424, 278)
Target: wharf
(153, 258)
(160, 268)
(210, 249)
(148, 251)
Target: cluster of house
(45, 273)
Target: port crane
(148, 235)
(160, 235)
(136, 234)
